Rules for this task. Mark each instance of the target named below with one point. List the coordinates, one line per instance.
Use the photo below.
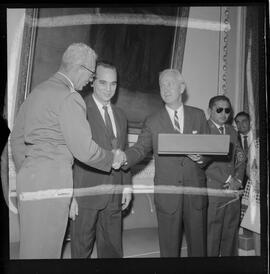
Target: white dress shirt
(180, 114)
(110, 112)
(219, 126)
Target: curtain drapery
(139, 51)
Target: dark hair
(217, 98)
(105, 64)
(242, 113)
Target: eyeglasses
(227, 110)
(93, 73)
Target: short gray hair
(176, 73)
(77, 54)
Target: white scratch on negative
(131, 19)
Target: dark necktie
(176, 122)
(109, 127)
(245, 144)
(221, 129)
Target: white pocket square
(194, 132)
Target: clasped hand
(232, 184)
(119, 158)
(195, 158)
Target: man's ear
(182, 87)
(209, 111)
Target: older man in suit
(99, 217)
(50, 129)
(175, 210)
(224, 172)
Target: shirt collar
(99, 105)
(65, 76)
(248, 134)
(171, 111)
(218, 126)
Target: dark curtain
(139, 52)
(255, 46)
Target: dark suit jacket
(85, 176)
(245, 178)
(174, 170)
(223, 166)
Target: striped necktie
(176, 122)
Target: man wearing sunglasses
(224, 173)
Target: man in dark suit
(225, 172)
(174, 210)
(99, 217)
(242, 121)
(250, 146)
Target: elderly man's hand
(195, 158)
(233, 184)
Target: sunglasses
(93, 73)
(227, 110)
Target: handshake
(119, 158)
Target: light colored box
(170, 143)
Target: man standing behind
(99, 217)
(225, 172)
(50, 129)
(250, 145)
(175, 210)
(242, 121)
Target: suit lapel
(187, 120)
(213, 128)
(239, 139)
(118, 124)
(96, 115)
(165, 122)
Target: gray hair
(77, 54)
(176, 73)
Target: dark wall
(138, 92)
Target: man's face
(243, 124)
(105, 84)
(220, 112)
(85, 74)
(171, 90)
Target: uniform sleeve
(126, 173)
(18, 147)
(141, 148)
(78, 136)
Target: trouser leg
(169, 231)
(83, 233)
(42, 228)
